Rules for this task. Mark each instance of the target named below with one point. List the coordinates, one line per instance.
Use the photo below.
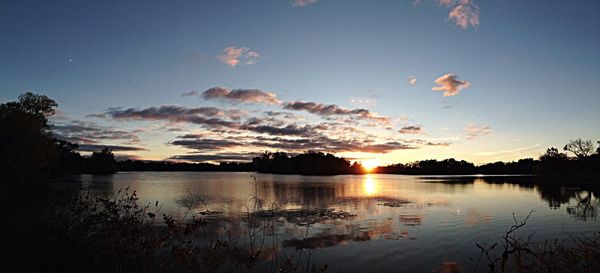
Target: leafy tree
(553, 162)
(66, 160)
(25, 143)
(581, 148)
(310, 162)
(102, 162)
(40, 106)
(553, 154)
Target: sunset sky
(380, 81)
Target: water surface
(402, 223)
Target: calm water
(437, 220)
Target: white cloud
(464, 13)
(511, 151)
(412, 80)
(303, 3)
(234, 56)
(450, 85)
(240, 95)
(473, 131)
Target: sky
(373, 81)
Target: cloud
(412, 129)
(205, 116)
(464, 13)
(511, 151)
(473, 131)
(240, 95)
(234, 56)
(303, 3)
(204, 144)
(114, 148)
(298, 144)
(332, 109)
(450, 85)
(123, 157)
(412, 80)
(429, 142)
(190, 93)
(229, 157)
(288, 130)
(90, 133)
(209, 116)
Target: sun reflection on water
(370, 186)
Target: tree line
(29, 151)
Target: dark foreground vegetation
(94, 233)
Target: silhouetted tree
(553, 162)
(553, 154)
(66, 160)
(581, 148)
(25, 143)
(311, 163)
(102, 162)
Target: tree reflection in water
(555, 192)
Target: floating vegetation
(304, 217)
(390, 202)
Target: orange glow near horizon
(370, 164)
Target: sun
(370, 164)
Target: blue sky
(530, 69)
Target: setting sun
(370, 164)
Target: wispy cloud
(510, 151)
(412, 80)
(473, 131)
(449, 84)
(81, 132)
(168, 112)
(190, 93)
(204, 144)
(239, 95)
(213, 119)
(293, 144)
(234, 56)
(114, 148)
(332, 109)
(222, 133)
(303, 3)
(207, 116)
(464, 13)
(287, 130)
(229, 157)
(412, 129)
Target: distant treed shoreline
(30, 150)
(317, 163)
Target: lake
(401, 223)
